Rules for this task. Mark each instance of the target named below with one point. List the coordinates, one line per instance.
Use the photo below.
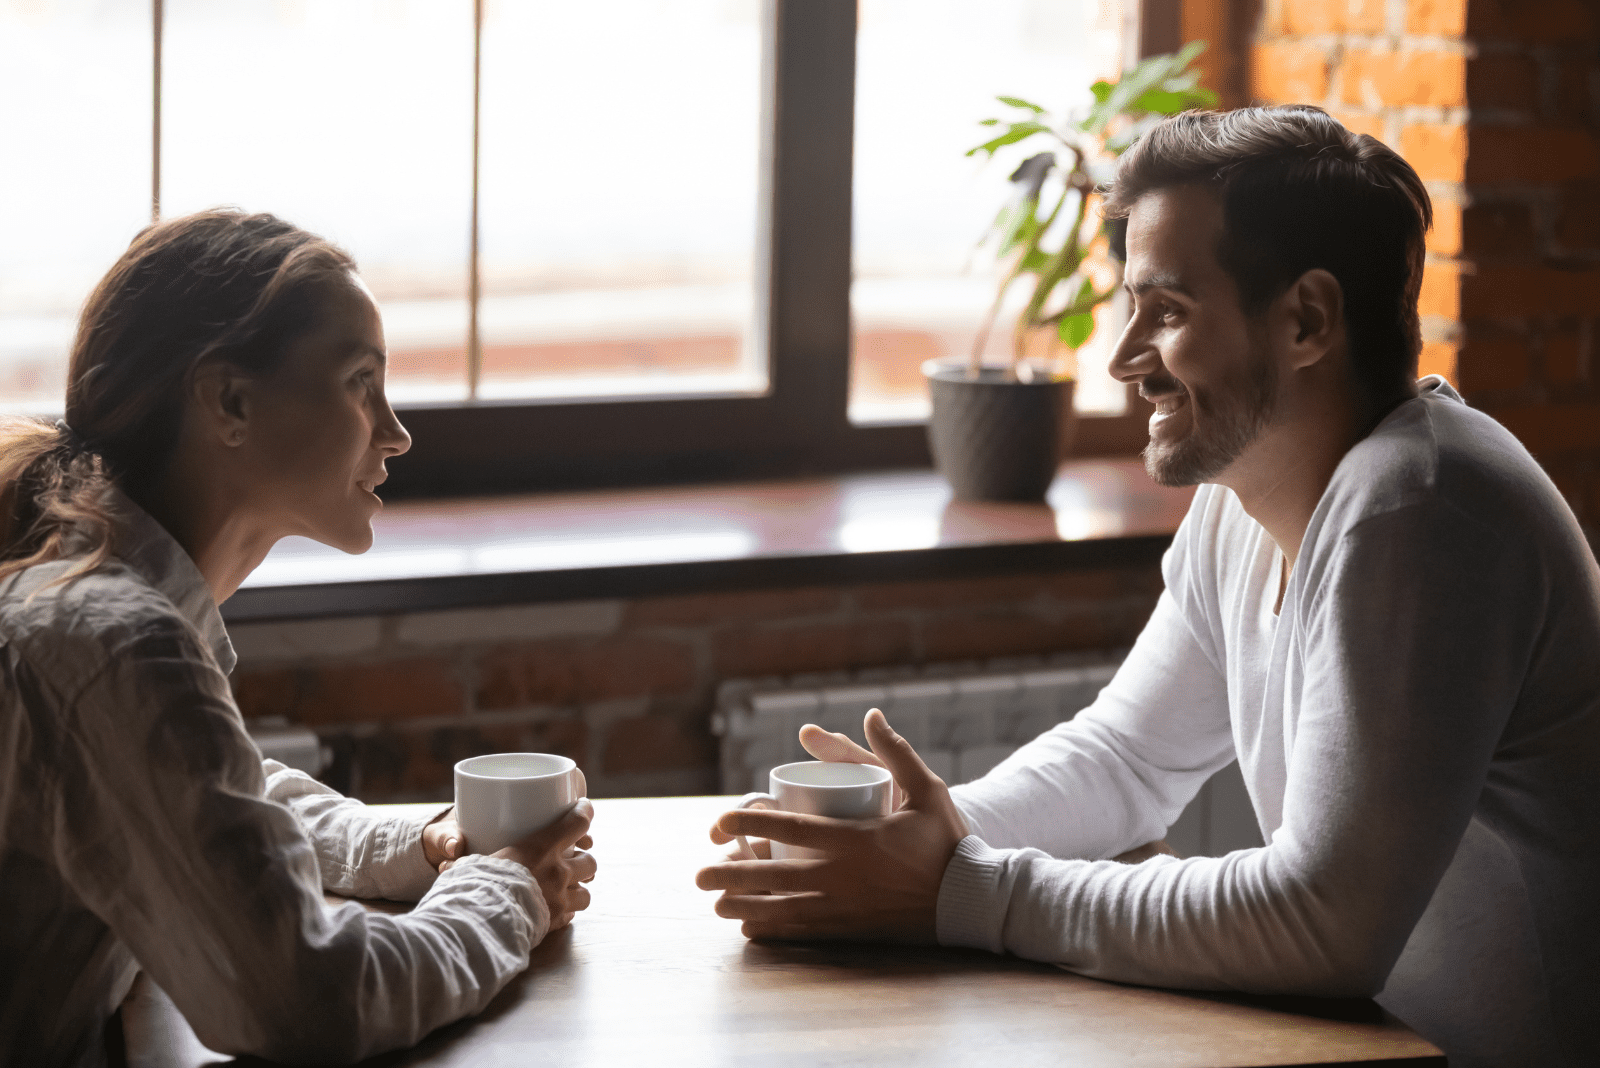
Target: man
(1378, 603)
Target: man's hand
(555, 855)
(881, 878)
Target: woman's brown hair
(217, 285)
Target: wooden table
(650, 976)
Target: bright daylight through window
(927, 71)
(617, 183)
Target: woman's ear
(1314, 305)
(223, 402)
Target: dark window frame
(799, 426)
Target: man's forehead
(1172, 236)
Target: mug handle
(748, 801)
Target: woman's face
(320, 429)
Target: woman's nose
(388, 434)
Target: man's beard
(1210, 448)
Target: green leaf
(988, 122)
(1018, 102)
(1020, 227)
(1019, 131)
(1074, 330)
(1152, 74)
(1101, 90)
(1162, 102)
(1034, 262)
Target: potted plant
(998, 432)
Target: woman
(226, 389)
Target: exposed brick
(472, 625)
(1438, 152)
(1509, 292)
(300, 640)
(1531, 154)
(431, 755)
(981, 636)
(1445, 236)
(1438, 358)
(1289, 73)
(1573, 101)
(1497, 362)
(571, 671)
(1498, 229)
(1331, 16)
(1074, 585)
(654, 743)
(758, 651)
(353, 693)
(1563, 359)
(1502, 80)
(1540, 22)
(265, 693)
(1361, 123)
(1578, 225)
(1411, 77)
(1548, 429)
(1440, 291)
(1436, 18)
(739, 607)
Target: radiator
(963, 720)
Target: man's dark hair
(1298, 192)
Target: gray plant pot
(995, 438)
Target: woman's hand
(556, 857)
(442, 840)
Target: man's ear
(1313, 323)
(223, 402)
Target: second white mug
(821, 788)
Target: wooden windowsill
(876, 527)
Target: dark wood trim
(800, 425)
(268, 603)
(1160, 26)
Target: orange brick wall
(626, 687)
(1496, 103)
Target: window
(612, 240)
(926, 72)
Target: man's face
(1188, 344)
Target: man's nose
(1134, 357)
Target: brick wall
(626, 687)
(1495, 102)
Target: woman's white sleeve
(162, 828)
(360, 853)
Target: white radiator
(963, 721)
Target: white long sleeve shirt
(1419, 729)
(140, 829)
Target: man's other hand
(880, 880)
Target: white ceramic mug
(821, 788)
(504, 797)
